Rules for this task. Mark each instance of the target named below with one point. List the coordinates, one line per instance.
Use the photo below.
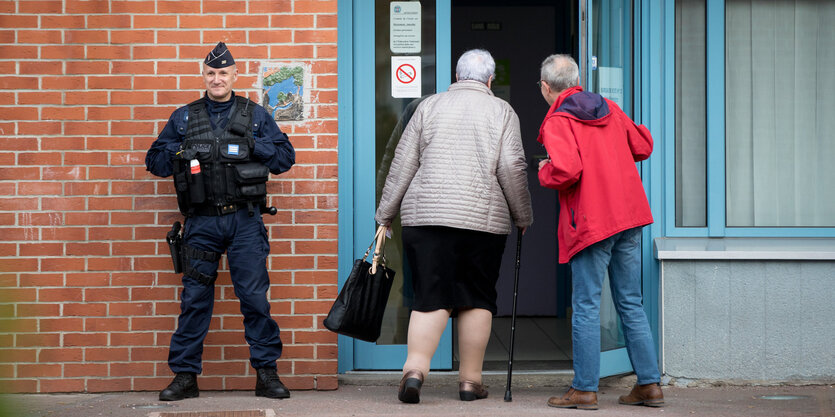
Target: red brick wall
(88, 301)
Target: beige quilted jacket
(460, 163)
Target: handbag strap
(371, 245)
(380, 238)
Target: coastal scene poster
(284, 90)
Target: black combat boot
(269, 385)
(184, 385)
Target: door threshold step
(559, 378)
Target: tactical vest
(215, 173)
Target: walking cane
(507, 395)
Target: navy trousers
(244, 239)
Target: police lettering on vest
(215, 173)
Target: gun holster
(175, 245)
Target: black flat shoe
(471, 391)
(409, 391)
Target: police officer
(221, 149)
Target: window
(779, 124)
(759, 94)
(691, 133)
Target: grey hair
(560, 72)
(475, 64)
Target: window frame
(715, 141)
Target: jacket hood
(583, 106)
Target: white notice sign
(404, 30)
(405, 76)
(611, 84)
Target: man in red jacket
(592, 147)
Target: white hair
(475, 64)
(560, 72)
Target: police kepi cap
(220, 57)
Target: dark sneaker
(269, 385)
(184, 385)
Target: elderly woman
(458, 179)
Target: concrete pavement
(439, 397)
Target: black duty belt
(217, 210)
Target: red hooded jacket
(593, 147)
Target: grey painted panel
(679, 312)
(749, 320)
(782, 331)
(711, 320)
(816, 312)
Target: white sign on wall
(611, 84)
(404, 29)
(405, 76)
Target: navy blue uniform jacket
(272, 147)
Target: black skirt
(454, 269)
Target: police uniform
(221, 154)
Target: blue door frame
(616, 361)
(356, 28)
(356, 161)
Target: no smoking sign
(405, 76)
(405, 73)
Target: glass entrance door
(390, 73)
(397, 48)
(607, 69)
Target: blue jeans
(621, 255)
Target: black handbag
(359, 307)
